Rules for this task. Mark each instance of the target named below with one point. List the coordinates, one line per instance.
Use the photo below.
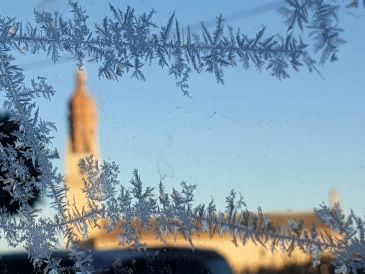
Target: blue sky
(282, 144)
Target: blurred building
(248, 258)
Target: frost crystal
(123, 43)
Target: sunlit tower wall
(82, 140)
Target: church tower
(82, 139)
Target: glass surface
(283, 144)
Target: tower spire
(83, 140)
(83, 118)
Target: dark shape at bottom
(154, 261)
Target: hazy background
(282, 144)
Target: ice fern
(122, 44)
(319, 18)
(135, 209)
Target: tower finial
(334, 197)
(81, 78)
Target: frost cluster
(123, 43)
